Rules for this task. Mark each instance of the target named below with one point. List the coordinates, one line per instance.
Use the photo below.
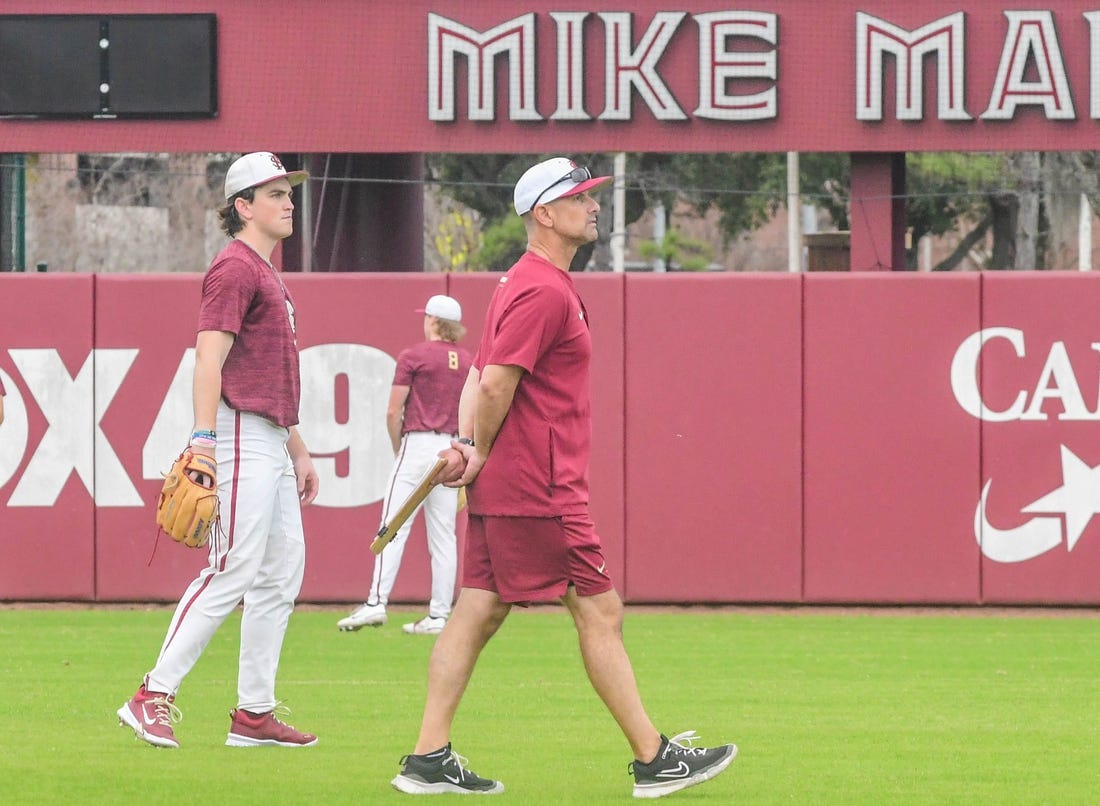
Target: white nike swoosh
(145, 717)
(452, 780)
(600, 569)
(679, 771)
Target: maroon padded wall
(713, 451)
(47, 534)
(1045, 458)
(756, 438)
(154, 315)
(339, 309)
(891, 462)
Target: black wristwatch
(465, 441)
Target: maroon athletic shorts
(534, 559)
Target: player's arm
(467, 404)
(1, 408)
(211, 349)
(308, 482)
(458, 454)
(395, 415)
(495, 389)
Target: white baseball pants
(258, 557)
(418, 452)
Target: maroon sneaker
(252, 730)
(150, 714)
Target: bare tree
(1028, 165)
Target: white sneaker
(367, 615)
(428, 625)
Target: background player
(246, 394)
(422, 418)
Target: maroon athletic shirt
(539, 463)
(244, 295)
(435, 372)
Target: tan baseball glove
(187, 509)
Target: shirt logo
(290, 317)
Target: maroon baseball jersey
(435, 372)
(244, 295)
(539, 463)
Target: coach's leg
(599, 621)
(477, 615)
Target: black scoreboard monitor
(108, 66)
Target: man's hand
(308, 482)
(456, 463)
(471, 465)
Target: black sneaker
(679, 765)
(441, 772)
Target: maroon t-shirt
(435, 372)
(538, 466)
(244, 295)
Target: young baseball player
(246, 391)
(525, 431)
(422, 418)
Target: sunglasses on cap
(576, 176)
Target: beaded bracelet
(204, 439)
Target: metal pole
(305, 208)
(794, 215)
(660, 229)
(1084, 235)
(618, 226)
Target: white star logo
(1076, 501)
(1078, 498)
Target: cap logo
(275, 161)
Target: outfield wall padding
(890, 464)
(47, 448)
(1041, 449)
(824, 438)
(714, 440)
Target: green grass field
(827, 708)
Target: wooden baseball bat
(389, 530)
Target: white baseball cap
(258, 168)
(444, 307)
(553, 179)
